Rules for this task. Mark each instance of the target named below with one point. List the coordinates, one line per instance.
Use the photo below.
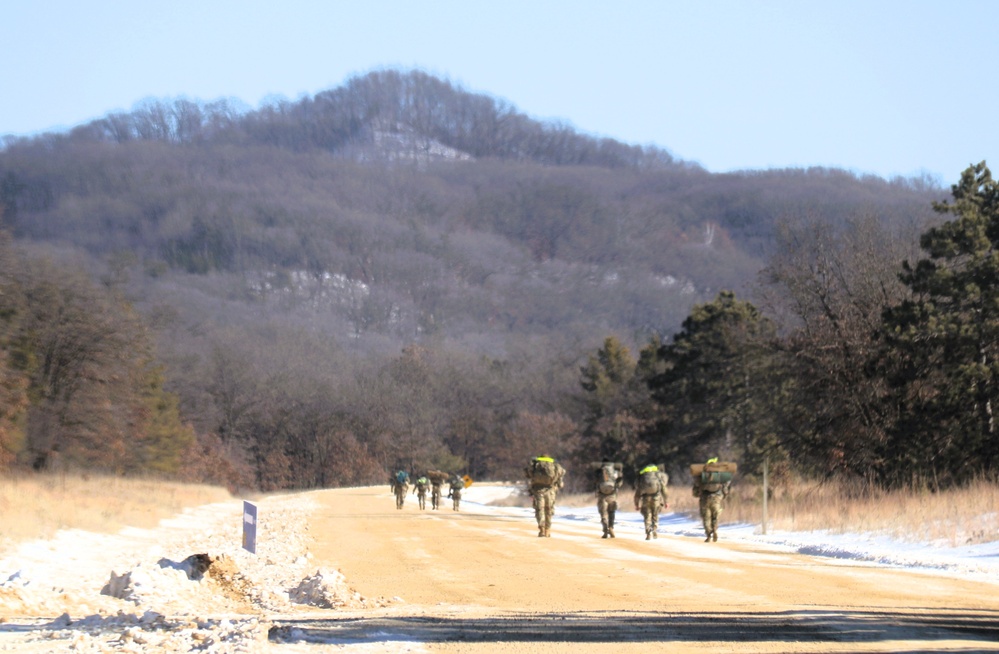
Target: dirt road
(481, 581)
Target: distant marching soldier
(609, 480)
(457, 485)
(545, 476)
(420, 488)
(400, 486)
(710, 495)
(436, 490)
(650, 497)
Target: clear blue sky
(889, 87)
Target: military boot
(610, 531)
(714, 536)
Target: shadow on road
(611, 627)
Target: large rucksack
(649, 483)
(607, 477)
(712, 481)
(715, 476)
(711, 477)
(543, 472)
(402, 477)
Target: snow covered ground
(153, 572)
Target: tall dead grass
(964, 516)
(38, 505)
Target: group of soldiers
(432, 481)
(546, 476)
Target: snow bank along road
(343, 570)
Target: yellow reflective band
(544, 458)
(652, 468)
(710, 461)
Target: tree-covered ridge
(854, 374)
(399, 273)
(494, 243)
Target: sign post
(250, 527)
(766, 492)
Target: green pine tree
(163, 436)
(943, 345)
(617, 405)
(715, 386)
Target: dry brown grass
(956, 517)
(38, 505)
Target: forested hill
(316, 237)
(446, 211)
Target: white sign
(250, 527)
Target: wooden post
(766, 492)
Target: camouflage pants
(400, 494)
(435, 498)
(607, 506)
(544, 507)
(456, 499)
(421, 495)
(711, 508)
(650, 506)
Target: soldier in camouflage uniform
(609, 480)
(454, 492)
(400, 486)
(436, 491)
(420, 488)
(651, 498)
(710, 498)
(544, 493)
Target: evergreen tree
(943, 345)
(715, 390)
(616, 405)
(161, 433)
